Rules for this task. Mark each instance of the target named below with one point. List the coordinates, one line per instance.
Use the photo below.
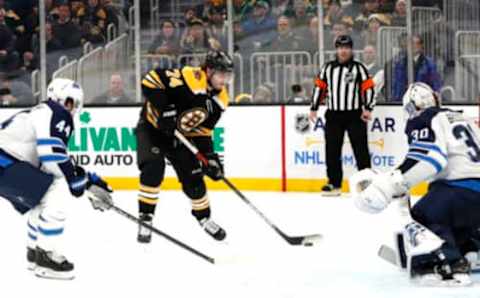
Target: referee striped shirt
(346, 86)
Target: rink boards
(271, 148)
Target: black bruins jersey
(183, 95)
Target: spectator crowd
(258, 26)
(292, 25)
(69, 25)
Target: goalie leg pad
(449, 212)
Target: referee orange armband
(321, 84)
(367, 84)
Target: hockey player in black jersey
(192, 101)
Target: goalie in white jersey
(445, 150)
(37, 175)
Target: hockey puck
(308, 244)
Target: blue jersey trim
(438, 167)
(31, 227)
(471, 184)
(50, 142)
(429, 146)
(31, 236)
(5, 161)
(50, 232)
(79, 184)
(59, 158)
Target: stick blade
(388, 254)
(308, 240)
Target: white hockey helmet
(66, 91)
(419, 97)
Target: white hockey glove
(373, 192)
(100, 198)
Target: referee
(348, 88)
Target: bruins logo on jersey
(191, 119)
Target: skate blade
(432, 280)
(330, 194)
(31, 266)
(51, 274)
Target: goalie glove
(214, 169)
(373, 191)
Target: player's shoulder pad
(222, 99)
(452, 116)
(59, 113)
(424, 119)
(153, 79)
(196, 79)
(423, 123)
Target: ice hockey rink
(254, 262)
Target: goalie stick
(156, 231)
(307, 240)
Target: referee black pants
(337, 123)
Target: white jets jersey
(40, 136)
(443, 145)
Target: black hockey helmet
(344, 41)
(219, 60)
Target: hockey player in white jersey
(444, 150)
(37, 175)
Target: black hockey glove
(214, 169)
(78, 184)
(167, 126)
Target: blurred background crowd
(278, 45)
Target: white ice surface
(256, 262)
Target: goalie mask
(419, 97)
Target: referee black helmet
(344, 41)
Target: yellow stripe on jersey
(150, 189)
(224, 98)
(199, 132)
(153, 81)
(146, 200)
(148, 84)
(155, 77)
(196, 79)
(152, 115)
(200, 204)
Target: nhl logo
(349, 77)
(302, 124)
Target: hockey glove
(214, 169)
(379, 193)
(78, 183)
(167, 126)
(99, 197)
(99, 192)
(94, 179)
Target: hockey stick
(156, 231)
(307, 240)
(389, 254)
